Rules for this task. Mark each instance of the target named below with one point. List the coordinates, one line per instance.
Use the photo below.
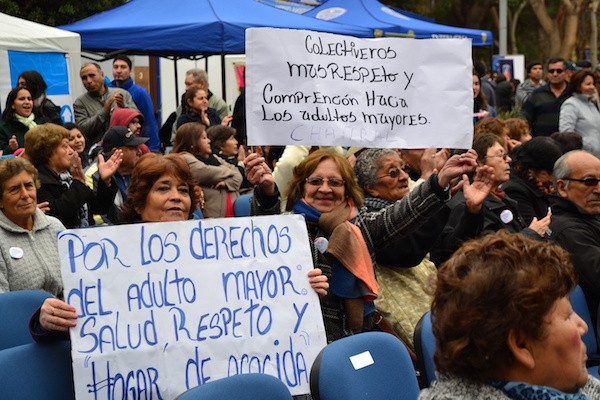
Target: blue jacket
(144, 104)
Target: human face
(536, 72)
(497, 158)
(587, 87)
(121, 71)
(76, 140)
(476, 86)
(325, 198)
(387, 187)
(19, 198)
(135, 126)
(544, 181)
(23, 104)
(131, 155)
(189, 82)
(168, 200)
(92, 79)
(587, 198)
(560, 356)
(204, 145)
(554, 76)
(60, 160)
(199, 102)
(230, 147)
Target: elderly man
(92, 109)
(576, 218)
(121, 69)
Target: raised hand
(476, 192)
(456, 166)
(259, 173)
(107, 168)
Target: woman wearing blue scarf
(504, 325)
(343, 237)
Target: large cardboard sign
(312, 88)
(164, 307)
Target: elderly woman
(36, 84)
(63, 180)
(27, 236)
(162, 190)
(499, 210)
(18, 117)
(324, 190)
(498, 336)
(530, 183)
(404, 279)
(220, 181)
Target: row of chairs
(367, 365)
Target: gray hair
(198, 74)
(95, 64)
(367, 165)
(562, 169)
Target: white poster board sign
(312, 88)
(164, 307)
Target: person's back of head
(568, 141)
(34, 82)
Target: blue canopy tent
(186, 28)
(386, 21)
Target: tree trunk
(594, 32)
(513, 27)
(566, 21)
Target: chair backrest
(240, 387)
(425, 348)
(37, 371)
(16, 308)
(579, 304)
(370, 365)
(241, 205)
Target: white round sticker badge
(506, 216)
(16, 252)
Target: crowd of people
(491, 239)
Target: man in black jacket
(576, 219)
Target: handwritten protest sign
(164, 307)
(311, 88)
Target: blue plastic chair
(37, 371)
(425, 348)
(16, 308)
(579, 304)
(370, 365)
(240, 387)
(241, 205)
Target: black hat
(539, 153)
(119, 136)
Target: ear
(560, 188)
(371, 190)
(519, 345)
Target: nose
(581, 325)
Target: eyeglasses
(393, 172)
(589, 181)
(318, 181)
(556, 71)
(502, 156)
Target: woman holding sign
(162, 190)
(344, 238)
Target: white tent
(55, 53)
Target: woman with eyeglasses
(343, 236)
(499, 210)
(579, 113)
(404, 270)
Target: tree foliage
(53, 12)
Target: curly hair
(295, 189)
(14, 166)
(149, 168)
(42, 140)
(367, 164)
(491, 286)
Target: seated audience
(18, 117)
(77, 143)
(518, 129)
(196, 100)
(568, 141)
(504, 326)
(224, 144)
(132, 119)
(34, 81)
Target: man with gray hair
(197, 77)
(92, 109)
(575, 221)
